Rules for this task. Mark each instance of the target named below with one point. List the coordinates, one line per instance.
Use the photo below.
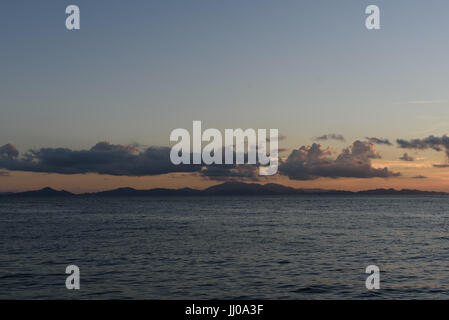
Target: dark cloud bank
(103, 158)
(312, 162)
(305, 163)
(431, 142)
(117, 160)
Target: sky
(136, 70)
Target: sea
(278, 247)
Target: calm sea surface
(225, 247)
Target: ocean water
(308, 247)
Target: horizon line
(309, 190)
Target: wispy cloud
(420, 102)
(379, 141)
(330, 136)
(434, 128)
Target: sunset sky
(139, 69)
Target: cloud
(406, 157)
(441, 165)
(305, 163)
(379, 141)
(330, 136)
(8, 151)
(431, 142)
(313, 162)
(231, 172)
(419, 177)
(117, 160)
(103, 158)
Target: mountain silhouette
(224, 189)
(45, 192)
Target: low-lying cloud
(444, 165)
(116, 160)
(313, 162)
(103, 158)
(305, 163)
(231, 172)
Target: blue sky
(138, 69)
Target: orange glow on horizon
(414, 176)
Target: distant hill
(240, 188)
(224, 189)
(46, 192)
(130, 192)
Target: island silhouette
(224, 189)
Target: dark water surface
(225, 247)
